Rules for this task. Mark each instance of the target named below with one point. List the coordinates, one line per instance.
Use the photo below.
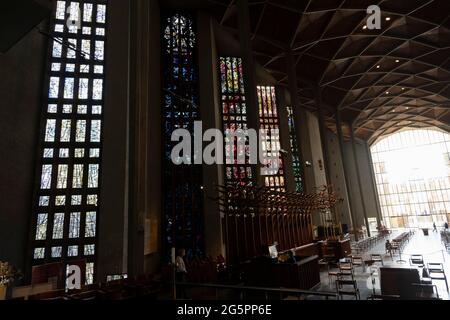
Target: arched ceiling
(381, 80)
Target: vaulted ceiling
(381, 80)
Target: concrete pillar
(210, 110)
(113, 222)
(374, 183)
(323, 137)
(358, 176)
(145, 138)
(302, 132)
(337, 178)
(248, 65)
(345, 169)
(325, 146)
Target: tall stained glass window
(183, 205)
(271, 146)
(64, 221)
(234, 116)
(296, 162)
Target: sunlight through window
(412, 174)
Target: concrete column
(153, 214)
(302, 132)
(374, 183)
(210, 110)
(325, 146)
(337, 178)
(345, 169)
(358, 176)
(145, 138)
(113, 222)
(323, 137)
(248, 65)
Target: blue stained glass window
(182, 184)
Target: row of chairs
(367, 243)
(346, 284)
(445, 238)
(399, 242)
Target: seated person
(291, 257)
(388, 246)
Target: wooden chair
(374, 274)
(357, 261)
(436, 271)
(332, 275)
(416, 260)
(346, 270)
(347, 288)
(377, 258)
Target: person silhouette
(180, 272)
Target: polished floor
(429, 246)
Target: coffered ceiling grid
(381, 80)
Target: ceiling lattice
(381, 80)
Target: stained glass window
(68, 186)
(270, 144)
(296, 162)
(39, 253)
(56, 252)
(234, 117)
(41, 228)
(72, 251)
(182, 184)
(90, 224)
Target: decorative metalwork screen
(234, 115)
(296, 162)
(183, 205)
(269, 120)
(66, 204)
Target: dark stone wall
(22, 74)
